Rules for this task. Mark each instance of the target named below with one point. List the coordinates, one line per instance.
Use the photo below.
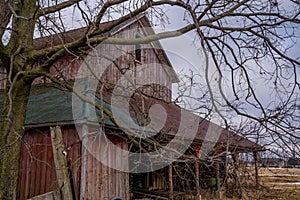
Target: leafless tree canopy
(252, 43)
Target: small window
(138, 50)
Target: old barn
(50, 111)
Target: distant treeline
(280, 162)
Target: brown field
(275, 183)
(282, 183)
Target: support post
(170, 180)
(197, 172)
(218, 176)
(255, 154)
(197, 176)
(235, 160)
(218, 179)
(60, 162)
(235, 168)
(84, 154)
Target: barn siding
(37, 171)
(73, 146)
(66, 68)
(98, 180)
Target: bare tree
(249, 42)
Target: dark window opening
(138, 51)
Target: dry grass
(284, 183)
(276, 183)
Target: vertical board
(101, 181)
(37, 172)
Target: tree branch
(5, 15)
(55, 8)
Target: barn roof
(62, 38)
(49, 105)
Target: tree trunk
(17, 62)
(11, 133)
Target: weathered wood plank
(170, 180)
(60, 161)
(53, 195)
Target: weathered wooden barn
(51, 106)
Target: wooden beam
(197, 171)
(53, 195)
(84, 154)
(218, 176)
(197, 176)
(60, 162)
(218, 179)
(151, 195)
(170, 181)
